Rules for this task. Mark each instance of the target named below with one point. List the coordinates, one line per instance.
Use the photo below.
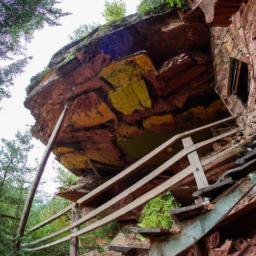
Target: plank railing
(140, 201)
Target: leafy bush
(156, 213)
(114, 10)
(155, 6)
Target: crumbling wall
(237, 41)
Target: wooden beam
(125, 173)
(51, 219)
(238, 172)
(214, 190)
(194, 161)
(33, 189)
(136, 186)
(74, 241)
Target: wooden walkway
(188, 151)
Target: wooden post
(74, 241)
(201, 180)
(33, 189)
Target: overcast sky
(46, 42)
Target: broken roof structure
(132, 85)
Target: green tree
(18, 21)
(82, 31)
(155, 6)
(15, 176)
(114, 11)
(65, 178)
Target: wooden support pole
(200, 177)
(33, 189)
(74, 241)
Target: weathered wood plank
(194, 161)
(189, 212)
(214, 190)
(239, 172)
(151, 231)
(246, 157)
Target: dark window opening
(239, 80)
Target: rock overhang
(130, 88)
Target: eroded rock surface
(129, 87)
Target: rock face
(238, 41)
(218, 12)
(130, 87)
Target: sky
(13, 115)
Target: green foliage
(114, 11)
(93, 240)
(36, 79)
(19, 19)
(15, 176)
(156, 6)
(42, 211)
(83, 31)
(65, 178)
(8, 73)
(156, 214)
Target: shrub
(155, 6)
(114, 11)
(156, 213)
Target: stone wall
(237, 41)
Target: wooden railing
(141, 200)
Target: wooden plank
(33, 188)
(214, 190)
(195, 229)
(51, 219)
(156, 232)
(190, 211)
(194, 161)
(246, 157)
(136, 186)
(125, 173)
(238, 172)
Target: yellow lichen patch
(199, 112)
(76, 160)
(130, 91)
(129, 131)
(62, 150)
(105, 153)
(216, 107)
(89, 110)
(130, 98)
(156, 121)
(126, 69)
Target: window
(239, 80)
